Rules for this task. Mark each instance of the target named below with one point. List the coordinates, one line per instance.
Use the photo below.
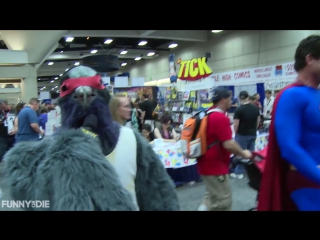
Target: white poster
(137, 82)
(121, 82)
(10, 122)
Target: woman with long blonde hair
(120, 108)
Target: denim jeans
(248, 143)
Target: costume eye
(64, 88)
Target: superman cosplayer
(291, 179)
(104, 168)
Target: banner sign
(194, 69)
(275, 73)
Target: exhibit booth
(192, 92)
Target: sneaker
(202, 207)
(239, 176)
(233, 175)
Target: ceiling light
(56, 78)
(88, 38)
(60, 74)
(50, 63)
(55, 86)
(142, 43)
(77, 64)
(108, 41)
(150, 54)
(67, 69)
(173, 45)
(123, 52)
(61, 51)
(94, 51)
(69, 39)
(216, 31)
(52, 81)
(137, 58)
(123, 64)
(52, 88)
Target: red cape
(273, 195)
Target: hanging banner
(276, 73)
(194, 69)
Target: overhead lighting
(67, 69)
(216, 31)
(94, 51)
(61, 51)
(150, 54)
(173, 45)
(60, 74)
(123, 64)
(123, 52)
(137, 58)
(57, 91)
(108, 41)
(56, 78)
(142, 43)
(55, 86)
(69, 39)
(77, 64)
(50, 63)
(88, 38)
(52, 81)
(52, 88)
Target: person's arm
(234, 103)
(15, 125)
(157, 134)
(224, 134)
(174, 135)
(236, 120)
(33, 120)
(288, 129)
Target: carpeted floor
(243, 197)
(190, 196)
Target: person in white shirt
(268, 105)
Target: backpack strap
(208, 112)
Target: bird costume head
(82, 93)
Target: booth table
(183, 170)
(180, 169)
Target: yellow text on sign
(192, 72)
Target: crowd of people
(291, 179)
(29, 122)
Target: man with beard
(92, 163)
(291, 179)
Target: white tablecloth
(171, 157)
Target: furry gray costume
(70, 168)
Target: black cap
(220, 93)
(243, 95)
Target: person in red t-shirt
(214, 165)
